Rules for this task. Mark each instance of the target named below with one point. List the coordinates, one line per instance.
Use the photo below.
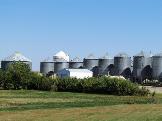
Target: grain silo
(61, 56)
(16, 57)
(47, 66)
(60, 65)
(106, 65)
(157, 67)
(90, 62)
(142, 67)
(122, 65)
(76, 63)
(61, 61)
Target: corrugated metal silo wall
(75, 65)
(104, 64)
(148, 61)
(5, 64)
(46, 67)
(90, 63)
(139, 64)
(157, 67)
(60, 65)
(121, 63)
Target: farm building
(75, 73)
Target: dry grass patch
(108, 113)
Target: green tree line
(19, 76)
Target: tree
(17, 76)
(1, 78)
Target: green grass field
(65, 106)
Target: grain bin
(76, 63)
(61, 61)
(122, 65)
(60, 65)
(90, 62)
(157, 67)
(142, 67)
(47, 66)
(61, 56)
(105, 65)
(16, 57)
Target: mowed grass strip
(11, 100)
(143, 112)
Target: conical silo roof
(158, 55)
(143, 54)
(62, 56)
(90, 56)
(48, 59)
(122, 55)
(61, 53)
(17, 56)
(76, 59)
(106, 56)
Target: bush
(104, 85)
(39, 82)
(18, 76)
(69, 84)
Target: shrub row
(103, 85)
(19, 76)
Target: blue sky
(40, 28)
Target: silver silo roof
(17, 56)
(90, 56)
(76, 59)
(143, 54)
(106, 56)
(48, 59)
(158, 55)
(122, 55)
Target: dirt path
(156, 89)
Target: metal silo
(142, 66)
(61, 56)
(76, 63)
(157, 67)
(60, 65)
(16, 57)
(122, 65)
(46, 67)
(90, 62)
(105, 65)
(61, 61)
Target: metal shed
(75, 73)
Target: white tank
(61, 57)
